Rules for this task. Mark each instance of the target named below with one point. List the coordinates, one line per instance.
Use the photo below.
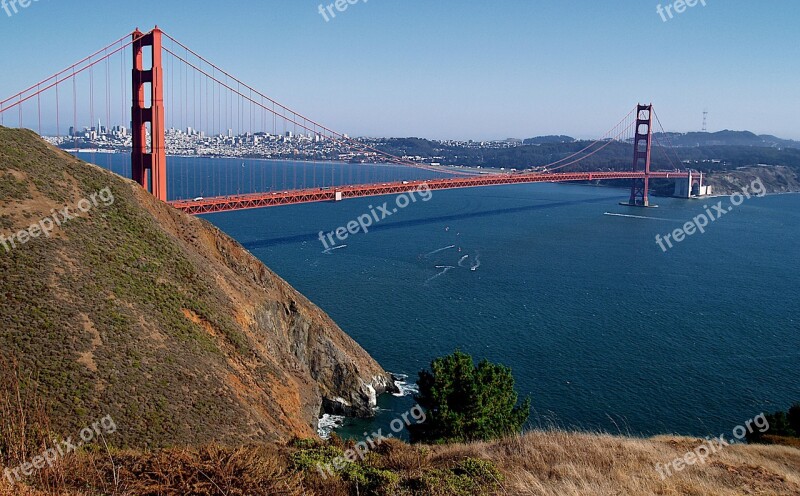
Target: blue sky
(455, 69)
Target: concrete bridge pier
(691, 187)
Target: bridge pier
(686, 188)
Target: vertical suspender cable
(39, 108)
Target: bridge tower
(640, 189)
(148, 164)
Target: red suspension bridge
(210, 113)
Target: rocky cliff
(776, 179)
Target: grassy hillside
(539, 463)
(135, 310)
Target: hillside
(614, 156)
(135, 310)
(536, 464)
(775, 179)
(725, 138)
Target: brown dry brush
(206, 471)
(24, 424)
(26, 432)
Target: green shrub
(470, 478)
(465, 402)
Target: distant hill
(138, 311)
(775, 179)
(724, 138)
(613, 156)
(544, 140)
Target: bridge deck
(261, 200)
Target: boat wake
(477, 263)
(445, 270)
(463, 259)
(434, 252)
(628, 216)
(329, 250)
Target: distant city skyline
(443, 70)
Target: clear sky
(456, 69)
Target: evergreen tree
(465, 402)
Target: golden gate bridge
(170, 84)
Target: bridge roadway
(291, 197)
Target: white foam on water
(629, 216)
(329, 250)
(463, 259)
(477, 263)
(405, 388)
(446, 269)
(328, 423)
(440, 250)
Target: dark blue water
(601, 328)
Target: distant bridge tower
(640, 190)
(149, 166)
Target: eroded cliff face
(135, 310)
(776, 179)
(349, 380)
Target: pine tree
(465, 402)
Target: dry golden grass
(210, 470)
(538, 463)
(564, 464)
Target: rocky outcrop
(348, 379)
